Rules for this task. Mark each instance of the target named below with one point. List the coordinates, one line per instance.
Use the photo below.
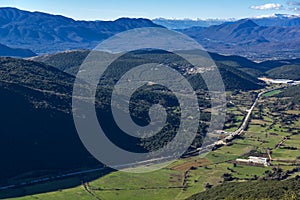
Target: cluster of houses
(255, 160)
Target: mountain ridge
(264, 20)
(44, 33)
(248, 39)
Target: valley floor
(273, 132)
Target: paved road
(240, 130)
(249, 112)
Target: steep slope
(37, 130)
(235, 79)
(43, 32)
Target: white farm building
(255, 160)
(281, 81)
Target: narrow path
(277, 146)
(88, 190)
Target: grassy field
(272, 93)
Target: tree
(208, 186)
(227, 177)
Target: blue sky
(113, 9)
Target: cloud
(268, 6)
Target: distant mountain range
(275, 36)
(44, 33)
(261, 38)
(269, 20)
(248, 39)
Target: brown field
(257, 122)
(193, 163)
(292, 112)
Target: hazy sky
(112, 9)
